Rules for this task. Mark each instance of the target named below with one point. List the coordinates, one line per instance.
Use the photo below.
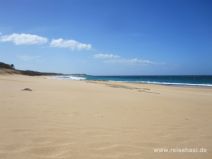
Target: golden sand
(61, 119)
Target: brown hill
(10, 69)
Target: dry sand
(98, 120)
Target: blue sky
(108, 37)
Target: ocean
(183, 80)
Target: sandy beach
(64, 119)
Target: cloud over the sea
(70, 44)
(106, 56)
(112, 58)
(132, 61)
(24, 39)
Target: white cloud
(135, 61)
(132, 61)
(24, 39)
(106, 56)
(71, 44)
(111, 58)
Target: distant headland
(10, 69)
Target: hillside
(10, 69)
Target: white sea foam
(70, 77)
(75, 77)
(182, 84)
(179, 84)
(168, 83)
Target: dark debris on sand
(27, 89)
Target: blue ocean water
(189, 80)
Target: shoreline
(108, 81)
(139, 82)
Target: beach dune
(63, 119)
